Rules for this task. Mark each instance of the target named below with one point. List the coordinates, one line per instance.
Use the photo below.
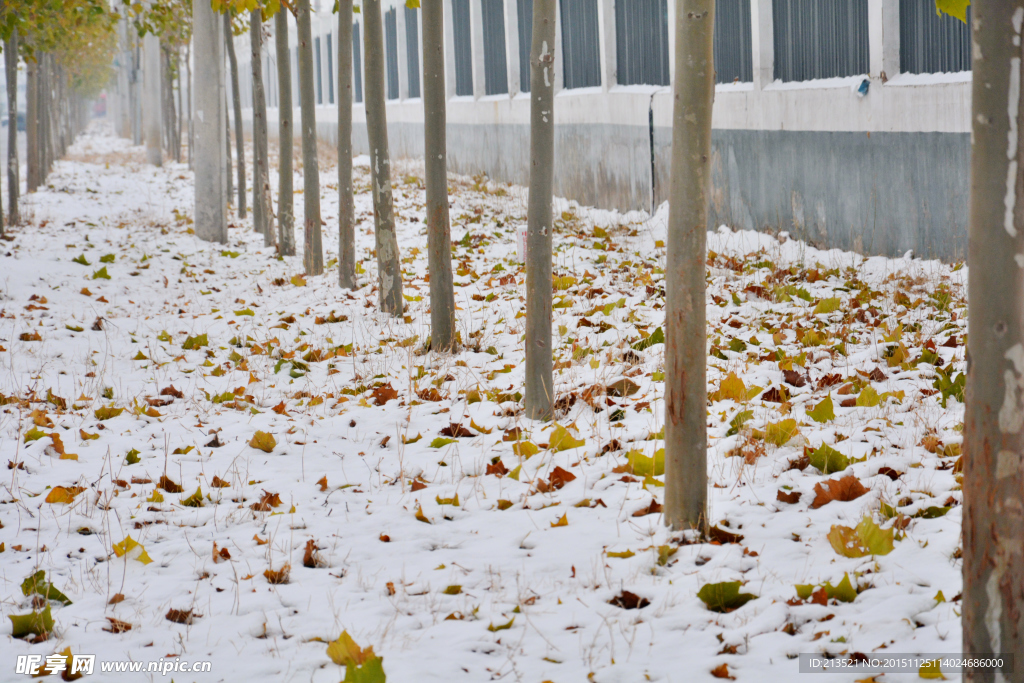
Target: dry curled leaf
(181, 616)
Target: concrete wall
(881, 173)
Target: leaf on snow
(846, 489)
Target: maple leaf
(562, 440)
(383, 394)
(33, 623)
(823, 412)
(846, 489)
(36, 584)
(131, 549)
(267, 501)
(828, 460)
(62, 494)
(866, 539)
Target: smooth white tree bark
(208, 124)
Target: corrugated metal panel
(461, 33)
(412, 49)
(492, 15)
(641, 37)
(820, 38)
(330, 69)
(319, 80)
(524, 10)
(391, 52)
(733, 55)
(581, 52)
(930, 43)
(357, 61)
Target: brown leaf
(890, 472)
(653, 509)
(951, 343)
(723, 536)
(219, 483)
(383, 394)
(418, 486)
(322, 481)
(498, 469)
(794, 378)
(181, 616)
(845, 489)
(848, 403)
(220, 554)
(722, 671)
(280, 409)
(171, 391)
(627, 600)
(877, 375)
(311, 558)
(829, 381)
(513, 434)
(560, 477)
(278, 576)
(118, 597)
(791, 497)
(117, 626)
(166, 484)
(268, 501)
(820, 596)
(456, 431)
(430, 394)
(775, 395)
(622, 387)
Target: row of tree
(67, 46)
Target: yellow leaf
(132, 550)
(345, 650)
(732, 388)
(61, 494)
(525, 449)
(562, 440)
(625, 554)
(563, 521)
(931, 670)
(781, 432)
(954, 8)
(420, 516)
(299, 281)
(263, 441)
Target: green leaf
(81, 259)
(163, 336)
(34, 434)
(33, 623)
(624, 555)
(372, 671)
(230, 254)
(107, 258)
(101, 274)
(562, 440)
(868, 397)
(828, 460)
(501, 627)
(823, 412)
(827, 305)
(954, 8)
(866, 539)
(196, 342)
(843, 591)
(37, 584)
(738, 420)
(804, 590)
(781, 432)
(657, 337)
(724, 596)
(640, 464)
(107, 413)
(195, 500)
(132, 457)
(933, 512)
(73, 328)
(441, 442)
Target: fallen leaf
(628, 600)
(263, 441)
(181, 616)
(846, 489)
(130, 549)
(61, 494)
(724, 596)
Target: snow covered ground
(402, 493)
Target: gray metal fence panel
(319, 80)
(581, 52)
(412, 49)
(930, 43)
(462, 35)
(733, 52)
(524, 10)
(820, 38)
(641, 40)
(492, 15)
(391, 52)
(330, 69)
(357, 61)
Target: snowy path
(427, 549)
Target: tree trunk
(435, 146)
(346, 201)
(685, 334)
(262, 207)
(13, 181)
(236, 100)
(210, 187)
(32, 124)
(313, 254)
(180, 117)
(285, 194)
(227, 147)
(152, 85)
(993, 481)
(539, 389)
(389, 270)
(188, 104)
